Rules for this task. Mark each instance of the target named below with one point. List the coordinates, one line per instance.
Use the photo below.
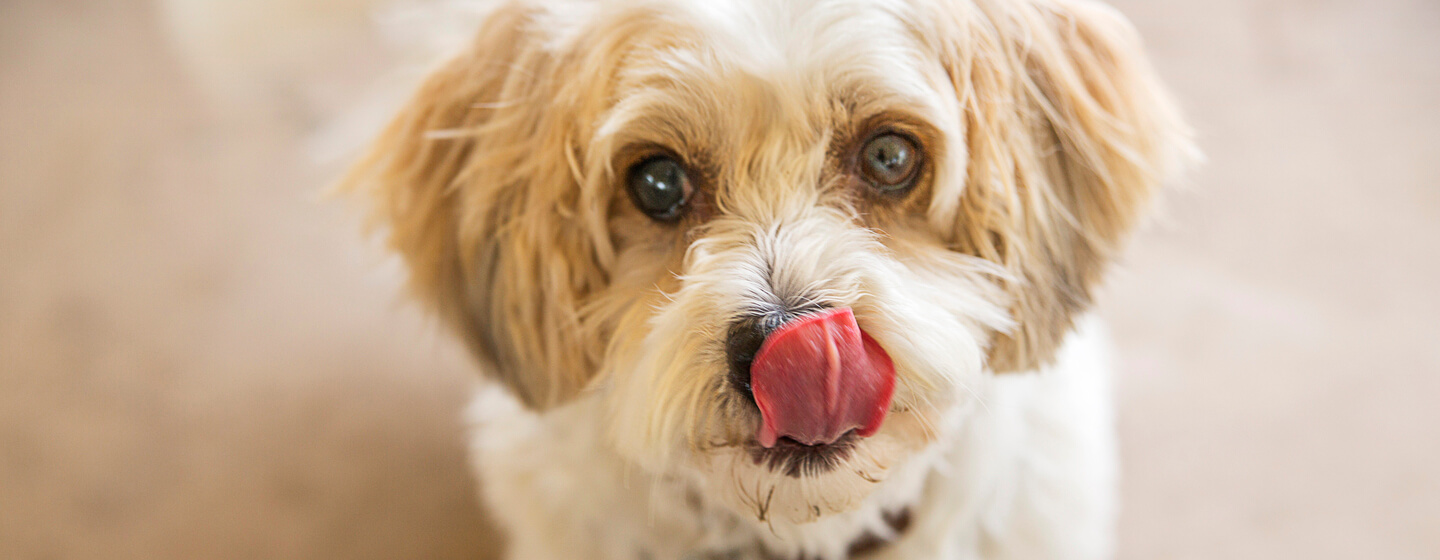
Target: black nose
(746, 336)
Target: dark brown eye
(659, 188)
(890, 162)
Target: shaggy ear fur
(477, 185)
(1069, 134)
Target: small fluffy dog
(783, 279)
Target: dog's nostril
(743, 341)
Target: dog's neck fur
(651, 516)
(1027, 474)
(870, 543)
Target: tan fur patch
(508, 258)
(1069, 136)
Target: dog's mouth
(794, 459)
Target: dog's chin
(795, 459)
(795, 483)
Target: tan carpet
(200, 359)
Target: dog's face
(781, 241)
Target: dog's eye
(890, 162)
(659, 188)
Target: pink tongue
(820, 376)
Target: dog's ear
(476, 184)
(1068, 134)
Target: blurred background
(201, 357)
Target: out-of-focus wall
(202, 358)
(1278, 330)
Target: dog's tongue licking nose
(820, 376)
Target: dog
(783, 279)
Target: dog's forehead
(765, 67)
(819, 47)
(770, 37)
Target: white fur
(1027, 472)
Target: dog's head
(780, 240)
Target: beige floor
(199, 360)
